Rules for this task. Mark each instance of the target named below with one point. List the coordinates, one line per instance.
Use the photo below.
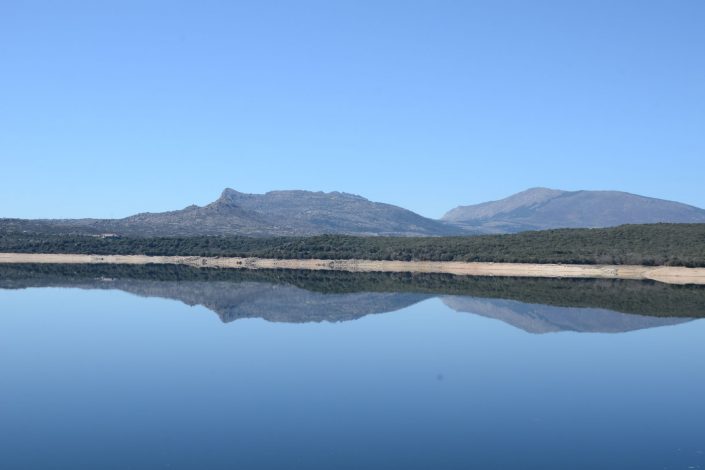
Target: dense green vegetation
(656, 244)
(644, 298)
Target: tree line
(651, 245)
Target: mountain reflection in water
(533, 305)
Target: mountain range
(302, 213)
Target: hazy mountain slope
(542, 208)
(194, 220)
(487, 210)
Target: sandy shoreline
(666, 274)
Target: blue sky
(111, 108)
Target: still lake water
(100, 378)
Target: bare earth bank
(666, 274)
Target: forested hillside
(657, 244)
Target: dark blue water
(107, 380)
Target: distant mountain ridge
(303, 213)
(544, 208)
(276, 213)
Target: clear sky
(114, 107)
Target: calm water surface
(103, 379)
